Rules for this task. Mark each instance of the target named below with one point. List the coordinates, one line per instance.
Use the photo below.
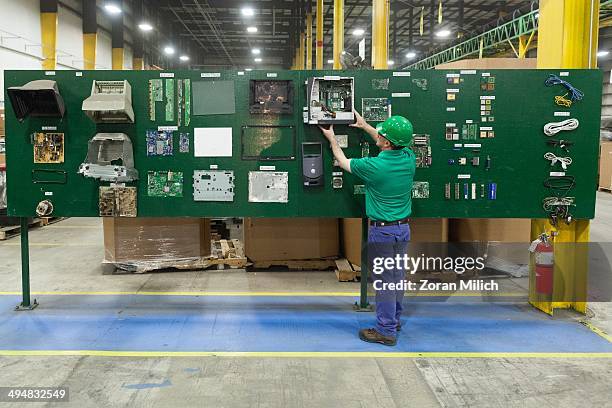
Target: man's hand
(328, 133)
(360, 122)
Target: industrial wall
(20, 43)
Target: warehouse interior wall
(20, 42)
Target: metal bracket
(21, 308)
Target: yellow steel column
(567, 38)
(89, 50)
(380, 34)
(117, 56)
(338, 32)
(309, 41)
(319, 48)
(302, 51)
(137, 63)
(48, 34)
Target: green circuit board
(165, 184)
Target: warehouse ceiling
(215, 31)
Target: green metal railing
(511, 30)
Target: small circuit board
(187, 101)
(375, 109)
(183, 142)
(422, 150)
(165, 183)
(156, 94)
(170, 100)
(117, 201)
(469, 131)
(160, 143)
(48, 147)
(420, 189)
(380, 83)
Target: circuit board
(165, 184)
(169, 100)
(336, 97)
(421, 147)
(117, 201)
(183, 142)
(48, 147)
(160, 143)
(375, 109)
(156, 94)
(420, 189)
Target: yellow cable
(563, 101)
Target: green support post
(363, 305)
(25, 268)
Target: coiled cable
(553, 128)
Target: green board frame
(523, 105)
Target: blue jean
(387, 242)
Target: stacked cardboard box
(605, 165)
(145, 244)
(277, 239)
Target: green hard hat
(397, 130)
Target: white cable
(549, 202)
(553, 128)
(565, 161)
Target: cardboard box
(2, 132)
(268, 239)
(145, 242)
(605, 165)
(490, 229)
(424, 230)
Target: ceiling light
(330, 61)
(257, 59)
(145, 27)
(443, 33)
(602, 53)
(358, 32)
(411, 55)
(390, 62)
(256, 51)
(248, 69)
(252, 29)
(168, 50)
(184, 58)
(247, 11)
(112, 8)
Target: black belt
(387, 223)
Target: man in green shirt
(388, 187)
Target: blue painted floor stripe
(280, 324)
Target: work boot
(398, 327)
(372, 336)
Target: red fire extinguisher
(543, 252)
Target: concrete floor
(65, 257)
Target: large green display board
(516, 165)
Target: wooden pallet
(51, 220)
(605, 190)
(14, 230)
(297, 264)
(228, 252)
(346, 271)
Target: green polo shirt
(388, 183)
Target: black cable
(560, 185)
